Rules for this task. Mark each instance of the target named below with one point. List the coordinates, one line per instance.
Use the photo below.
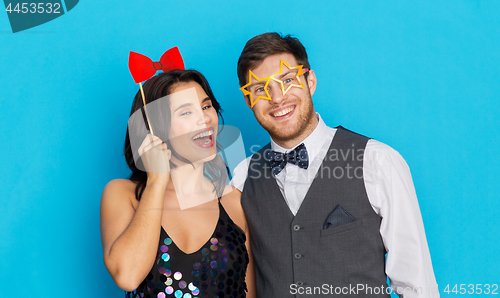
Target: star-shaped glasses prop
(291, 78)
(286, 78)
(258, 90)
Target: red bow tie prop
(142, 68)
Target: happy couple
(297, 224)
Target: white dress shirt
(391, 193)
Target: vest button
(299, 283)
(296, 228)
(298, 256)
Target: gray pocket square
(338, 217)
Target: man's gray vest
(294, 254)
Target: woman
(155, 247)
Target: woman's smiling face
(194, 122)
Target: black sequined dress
(217, 269)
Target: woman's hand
(155, 156)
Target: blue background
(421, 76)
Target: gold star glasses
(287, 78)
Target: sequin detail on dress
(217, 269)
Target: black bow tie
(297, 156)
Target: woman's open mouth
(204, 139)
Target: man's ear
(247, 101)
(311, 81)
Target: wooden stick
(145, 110)
(151, 127)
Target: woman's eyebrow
(206, 99)
(183, 106)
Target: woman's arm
(130, 235)
(232, 204)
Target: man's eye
(260, 89)
(186, 113)
(287, 81)
(207, 107)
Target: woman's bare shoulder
(119, 190)
(121, 184)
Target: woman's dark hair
(264, 45)
(160, 86)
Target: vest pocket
(332, 231)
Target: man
(324, 205)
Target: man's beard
(290, 131)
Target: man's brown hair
(264, 45)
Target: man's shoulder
(372, 146)
(380, 147)
(379, 152)
(256, 156)
(240, 172)
(350, 132)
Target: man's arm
(392, 195)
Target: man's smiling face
(290, 117)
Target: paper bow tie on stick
(143, 68)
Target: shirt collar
(313, 142)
